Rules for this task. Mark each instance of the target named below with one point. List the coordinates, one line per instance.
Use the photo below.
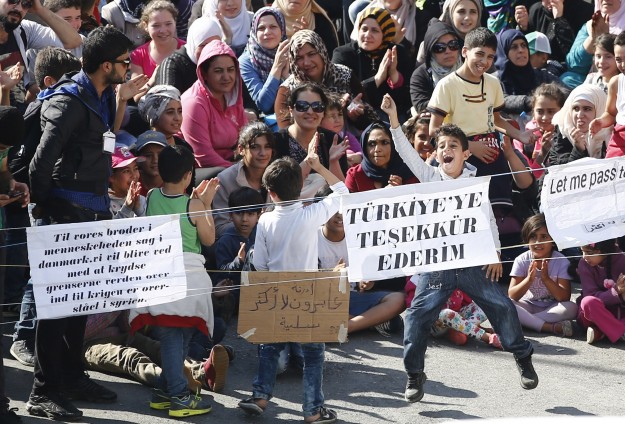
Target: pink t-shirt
(141, 56)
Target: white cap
(538, 42)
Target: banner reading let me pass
(103, 266)
(403, 230)
(584, 201)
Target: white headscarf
(201, 30)
(240, 25)
(564, 118)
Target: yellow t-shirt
(469, 105)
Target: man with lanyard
(18, 35)
(69, 182)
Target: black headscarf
(516, 80)
(396, 165)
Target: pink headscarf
(617, 19)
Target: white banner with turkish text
(399, 231)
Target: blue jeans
(432, 291)
(313, 374)
(200, 345)
(174, 348)
(17, 254)
(26, 327)
(291, 351)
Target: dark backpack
(20, 156)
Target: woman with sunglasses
(381, 65)
(516, 73)
(212, 110)
(307, 104)
(309, 62)
(442, 57)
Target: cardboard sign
(105, 266)
(584, 201)
(305, 307)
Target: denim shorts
(361, 302)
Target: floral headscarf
(262, 58)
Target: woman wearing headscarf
(265, 62)
(213, 109)
(404, 13)
(236, 18)
(382, 66)
(381, 164)
(609, 17)
(572, 140)
(179, 69)
(515, 72)
(309, 62)
(307, 14)
(442, 57)
(460, 15)
(161, 108)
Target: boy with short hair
(245, 206)
(176, 321)
(434, 288)
(149, 146)
(286, 240)
(471, 99)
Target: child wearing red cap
(124, 185)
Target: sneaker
(188, 406)
(23, 352)
(567, 328)
(9, 416)
(53, 406)
(529, 378)
(84, 388)
(593, 335)
(493, 340)
(387, 328)
(456, 337)
(160, 400)
(216, 368)
(326, 416)
(414, 387)
(250, 406)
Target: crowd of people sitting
(232, 107)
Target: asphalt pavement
(364, 382)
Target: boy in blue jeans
(434, 288)
(176, 321)
(286, 240)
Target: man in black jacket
(69, 179)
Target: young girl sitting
(547, 100)
(459, 319)
(417, 130)
(333, 120)
(602, 307)
(540, 283)
(604, 62)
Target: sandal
(326, 416)
(493, 340)
(250, 406)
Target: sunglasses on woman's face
(26, 4)
(453, 45)
(303, 106)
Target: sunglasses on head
(302, 106)
(26, 4)
(453, 45)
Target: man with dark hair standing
(69, 179)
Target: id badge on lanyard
(108, 139)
